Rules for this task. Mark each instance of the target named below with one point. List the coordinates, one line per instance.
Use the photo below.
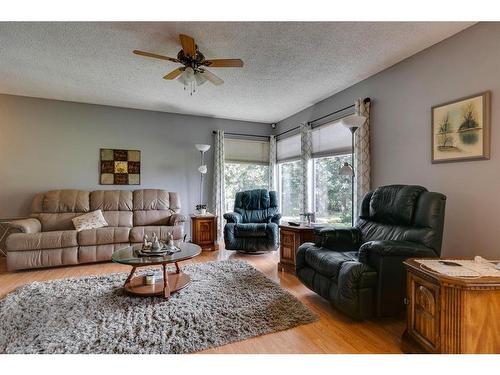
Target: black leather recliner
(253, 226)
(360, 269)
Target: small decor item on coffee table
(171, 281)
(120, 167)
(204, 231)
(157, 247)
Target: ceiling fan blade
(212, 78)
(188, 45)
(155, 56)
(224, 63)
(174, 74)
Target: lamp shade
(202, 148)
(353, 121)
(346, 170)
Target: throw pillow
(92, 220)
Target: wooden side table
(204, 231)
(450, 314)
(290, 239)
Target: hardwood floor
(333, 333)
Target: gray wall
(402, 96)
(47, 144)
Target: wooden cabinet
(451, 315)
(204, 231)
(290, 239)
(423, 317)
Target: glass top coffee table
(171, 281)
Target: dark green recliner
(253, 226)
(359, 270)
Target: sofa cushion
(250, 230)
(19, 260)
(256, 206)
(111, 200)
(59, 201)
(151, 217)
(119, 218)
(42, 240)
(395, 204)
(327, 262)
(151, 199)
(51, 222)
(257, 199)
(102, 236)
(92, 220)
(137, 233)
(98, 253)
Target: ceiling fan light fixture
(193, 73)
(189, 72)
(200, 80)
(186, 77)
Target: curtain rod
(366, 100)
(245, 135)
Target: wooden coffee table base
(171, 283)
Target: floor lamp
(352, 122)
(202, 168)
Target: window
(289, 177)
(332, 196)
(332, 192)
(246, 167)
(290, 186)
(243, 176)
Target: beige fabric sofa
(48, 237)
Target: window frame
(279, 184)
(313, 189)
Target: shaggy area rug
(227, 301)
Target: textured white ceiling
(288, 65)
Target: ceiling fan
(194, 72)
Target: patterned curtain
(272, 163)
(361, 155)
(218, 190)
(306, 158)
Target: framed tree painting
(461, 129)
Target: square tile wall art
(461, 129)
(120, 167)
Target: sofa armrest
(232, 217)
(405, 249)
(177, 219)
(274, 219)
(300, 259)
(338, 239)
(30, 225)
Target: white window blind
(331, 139)
(246, 151)
(288, 148)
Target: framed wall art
(120, 167)
(461, 129)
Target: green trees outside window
(332, 192)
(241, 177)
(290, 190)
